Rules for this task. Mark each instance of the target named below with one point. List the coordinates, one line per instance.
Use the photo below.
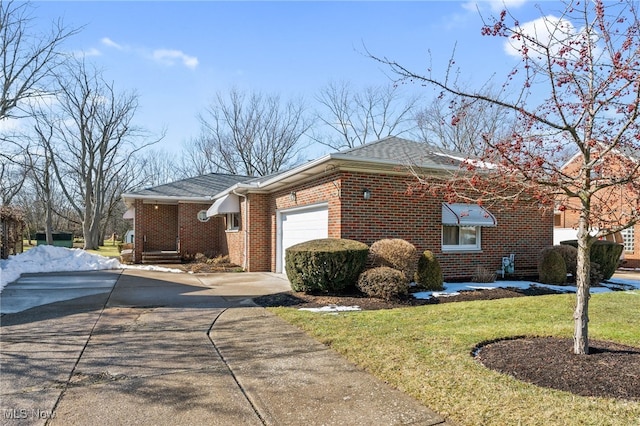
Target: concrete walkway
(181, 349)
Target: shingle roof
(390, 151)
(405, 152)
(199, 186)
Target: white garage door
(300, 225)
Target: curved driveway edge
(291, 379)
(182, 349)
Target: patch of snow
(60, 259)
(453, 289)
(152, 268)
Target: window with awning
(458, 214)
(229, 203)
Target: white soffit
(466, 215)
(229, 203)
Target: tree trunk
(48, 226)
(583, 271)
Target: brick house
(566, 220)
(359, 194)
(169, 221)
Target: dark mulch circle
(304, 300)
(610, 370)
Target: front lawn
(108, 250)
(426, 352)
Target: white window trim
(628, 238)
(202, 216)
(229, 221)
(460, 247)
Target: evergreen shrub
(429, 273)
(395, 253)
(605, 253)
(328, 265)
(383, 282)
(551, 267)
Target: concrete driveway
(152, 348)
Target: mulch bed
(610, 370)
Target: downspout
(246, 230)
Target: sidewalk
(180, 349)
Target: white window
(202, 216)
(460, 238)
(628, 239)
(233, 221)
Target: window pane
(450, 235)
(629, 239)
(468, 235)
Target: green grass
(108, 250)
(425, 352)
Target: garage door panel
(302, 225)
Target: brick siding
(196, 236)
(391, 213)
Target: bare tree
(355, 118)
(586, 64)
(252, 134)
(12, 172)
(94, 138)
(40, 171)
(462, 125)
(28, 58)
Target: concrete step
(154, 257)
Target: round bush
(429, 273)
(325, 265)
(395, 253)
(383, 283)
(570, 256)
(551, 267)
(605, 253)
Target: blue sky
(178, 55)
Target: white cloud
(110, 43)
(494, 5)
(8, 125)
(500, 5)
(548, 31)
(170, 56)
(91, 52)
(163, 56)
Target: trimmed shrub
(570, 256)
(605, 253)
(551, 267)
(395, 253)
(325, 265)
(383, 283)
(429, 273)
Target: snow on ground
(60, 259)
(452, 289)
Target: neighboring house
(566, 221)
(359, 194)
